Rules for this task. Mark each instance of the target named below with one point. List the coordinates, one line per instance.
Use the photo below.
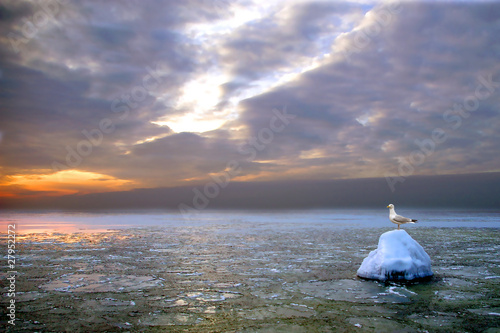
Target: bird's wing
(402, 219)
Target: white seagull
(398, 219)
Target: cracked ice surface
(247, 276)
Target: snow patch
(398, 257)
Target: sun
(199, 98)
(201, 94)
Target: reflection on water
(27, 226)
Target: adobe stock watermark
(121, 106)
(32, 25)
(202, 196)
(363, 37)
(11, 274)
(454, 117)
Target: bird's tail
(414, 221)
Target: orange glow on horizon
(61, 183)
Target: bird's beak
(387, 206)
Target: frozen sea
(246, 271)
(61, 221)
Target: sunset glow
(61, 183)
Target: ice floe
(100, 283)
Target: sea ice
(398, 257)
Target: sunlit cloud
(61, 183)
(196, 123)
(200, 97)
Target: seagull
(398, 219)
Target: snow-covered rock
(398, 257)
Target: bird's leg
(398, 226)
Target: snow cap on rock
(397, 257)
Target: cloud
(399, 84)
(283, 42)
(61, 183)
(422, 191)
(166, 93)
(99, 62)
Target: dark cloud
(14, 10)
(110, 36)
(178, 157)
(483, 192)
(400, 84)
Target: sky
(124, 95)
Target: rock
(398, 257)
